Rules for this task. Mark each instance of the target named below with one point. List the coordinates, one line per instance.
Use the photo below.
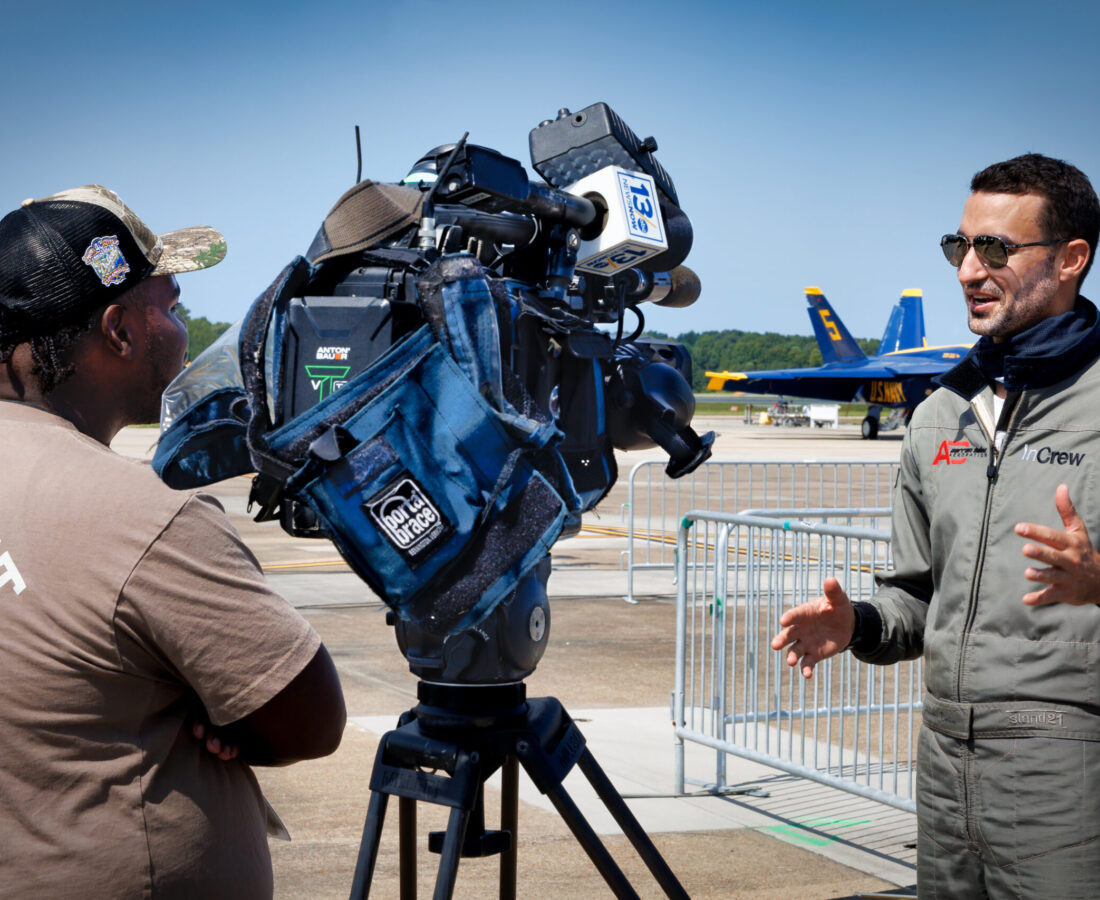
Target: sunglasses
(992, 251)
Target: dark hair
(1071, 209)
(49, 351)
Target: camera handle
(450, 732)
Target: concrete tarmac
(611, 664)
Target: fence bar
(656, 503)
(853, 725)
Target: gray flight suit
(1008, 786)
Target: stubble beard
(1028, 307)
(159, 373)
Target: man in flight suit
(996, 579)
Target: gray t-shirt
(126, 610)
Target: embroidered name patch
(406, 517)
(103, 255)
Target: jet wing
(790, 378)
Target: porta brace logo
(955, 453)
(407, 518)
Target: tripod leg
(450, 854)
(591, 843)
(630, 826)
(406, 842)
(509, 821)
(368, 847)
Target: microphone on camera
(676, 289)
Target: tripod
(468, 732)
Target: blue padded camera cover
(205, 445)
(425, 477)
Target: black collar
(1038, 357)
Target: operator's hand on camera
(818, 629)
(215, 743)
(1073, 565)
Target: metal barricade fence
(852, 726)
(656, 503)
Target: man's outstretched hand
(1073, 565)
(817, 629)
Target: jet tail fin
(905, 330)
(834, 340)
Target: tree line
(745, 351)
(201, 332)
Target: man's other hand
(1073, 565)
(818, 629)
(214, 742)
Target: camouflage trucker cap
(64, 255)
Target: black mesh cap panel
(45, 282)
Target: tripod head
(502, 649)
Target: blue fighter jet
(897, 377)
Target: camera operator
(146, 664)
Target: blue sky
(826, 143)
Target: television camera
(439, 387)
(556, 267)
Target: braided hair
(48, 351)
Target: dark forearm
(303, 721)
